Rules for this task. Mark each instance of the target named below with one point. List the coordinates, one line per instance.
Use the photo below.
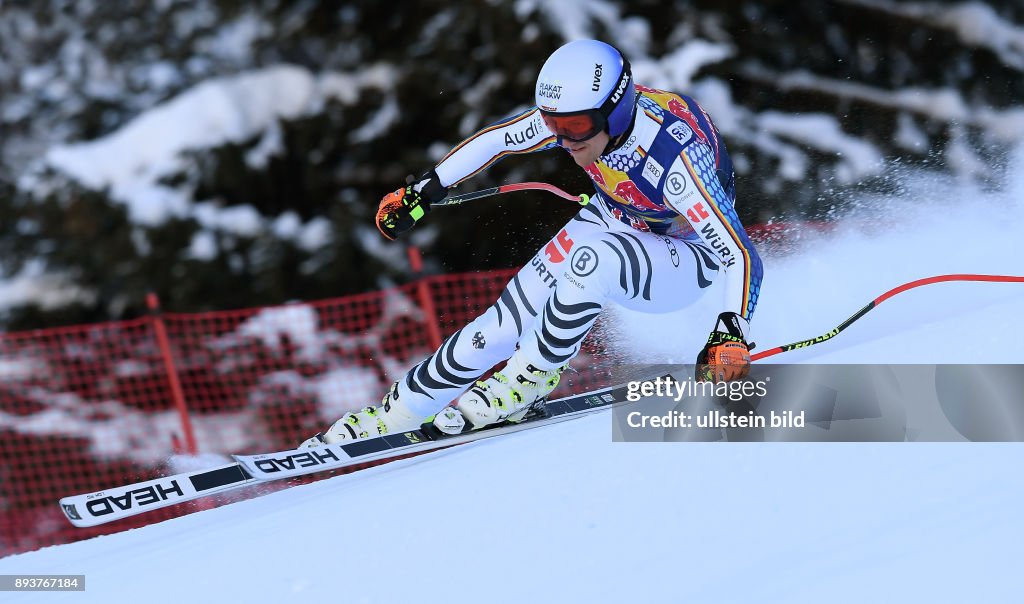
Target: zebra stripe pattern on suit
(563, 326)
(634, 264)
(443, 365)
(514, 304)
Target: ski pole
(892, 292)
(454, 200)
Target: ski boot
(390, 416)
(508, 395)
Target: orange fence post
(425, 299)
(153, 303)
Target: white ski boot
(390, 416)
(508, 395)
(449, 421)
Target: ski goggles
(576, 126)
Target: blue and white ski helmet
(588, 77)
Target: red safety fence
(88, 407)
(85, 408)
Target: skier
(658, 231)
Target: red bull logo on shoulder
(628, 191)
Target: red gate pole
(425, 299)
(153, 303)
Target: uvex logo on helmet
(621, 87)
(597, 77)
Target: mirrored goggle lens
(578, 127)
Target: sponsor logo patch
(718, 243)
(549, 91)
(543, 272)
(595, 173)
(71, 511)
(294, 461)
(653, 171)
(697, 213)
(629, 146)
(628, 191)
(675, 184)
(558, 247)
(639, 224)
(681, 132)
(620, 88)
(673, 253)
(102, 506)
(583, 262)
(677, 187)
(520, 137)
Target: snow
(315, 234)
(20, 368)
(572, 18)
(945, 105)
(236, 39)
(271, 143)
(34, 285)
(203, 246)
(564, 514)
(345, 389)
(677, 69)
(132, 160)
(298, 322)
(909, 136)
(519, 518)
(379, 124)
(859, 158)
(311, 235)
(191, 463)
(975, 24)
(961, 158)
(241, 220)
(788, 136)
(122, 433)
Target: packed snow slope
(562, 514)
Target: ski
(298, 462)
(101, 507)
